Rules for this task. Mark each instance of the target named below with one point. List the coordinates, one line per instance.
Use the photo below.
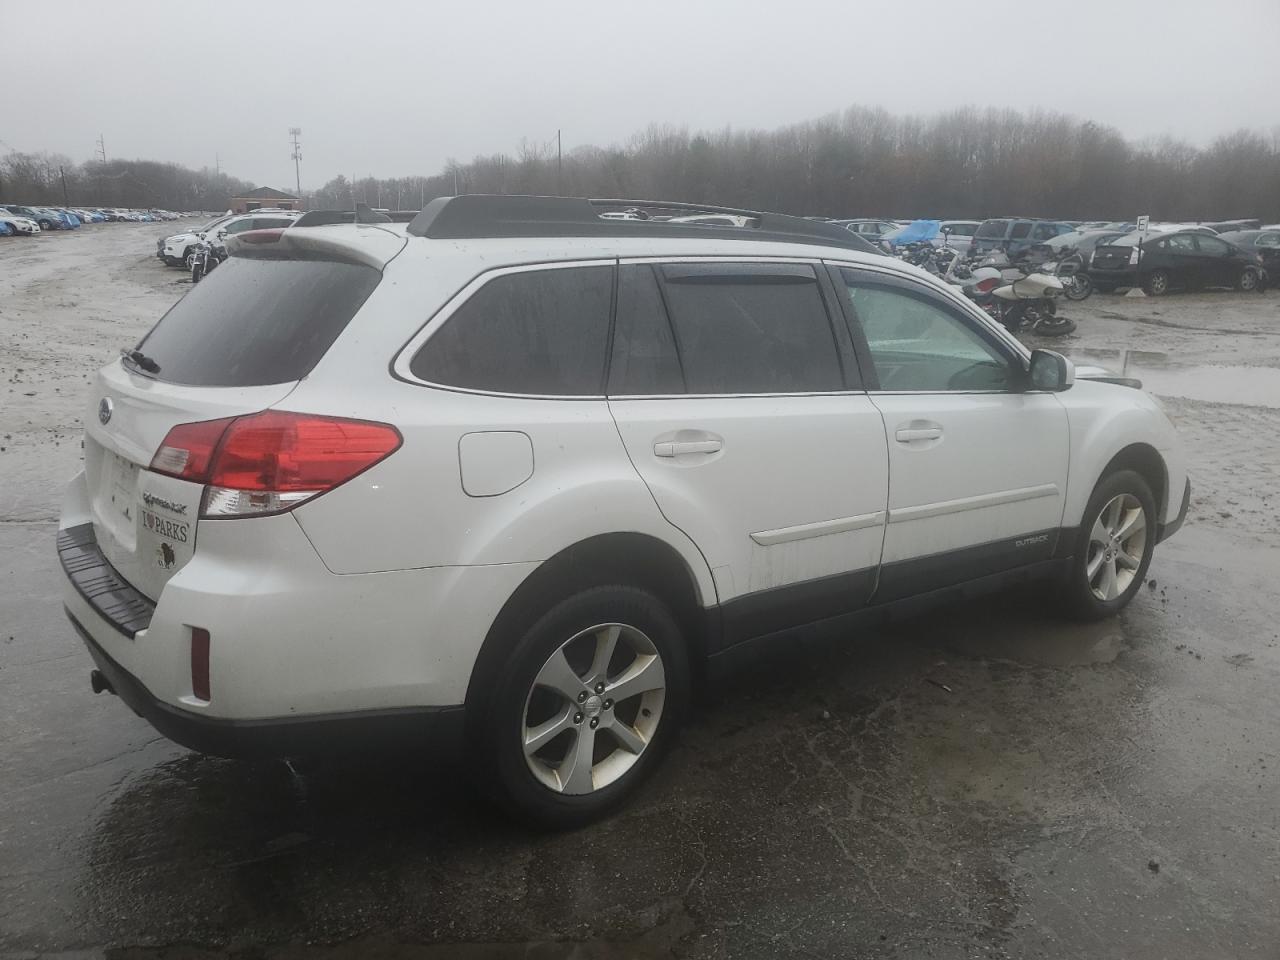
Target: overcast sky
(396, 88)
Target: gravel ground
(985, 782)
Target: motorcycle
(1018, 300)
(1067, 266)
(205, 255)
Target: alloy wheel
(1159, 283)
(1248, 280)
(1117, 542)
(593, 708)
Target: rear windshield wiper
(140, 359)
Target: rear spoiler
(370, 247)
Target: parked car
(869, 230)
(1083, 241)
(1186, 259)
(1015, 235)
(18, 224)
(461, 481)
(44, 219)
(1264, 244)
(173, 250)
(6, 230)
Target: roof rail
(474, 216)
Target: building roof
(265, 193)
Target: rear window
(993, 229)
(255, 322)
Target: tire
(1114, 581)
(1080, 287)
(174, 262)
(1247, 282)
(1157, 283)
(564, 647)
(45, 224)
(1056, 327)
(195, 272)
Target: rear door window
(1020, 230)
(751, 328)
(993, 230)
(257, 322)
(1213, 247)
(537, 332)
(644, 348)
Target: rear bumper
(1166, 530)
(437, 731)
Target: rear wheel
(1078, 287)
(1113, 548)
(1157, 283)
(583, 708)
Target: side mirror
(1050, 371)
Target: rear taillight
(269, 235)
(987, 285)
(271, 461)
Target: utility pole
(217, 165)
(102, 150)
(559, 167)
(294, 134)
(63, 174)
(455, 181)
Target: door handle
(673, 448)
(908, 434)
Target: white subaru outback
(514, 478)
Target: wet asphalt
(984, 782)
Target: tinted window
(535, 332)
(919, 344)
(1020, 230)
(1044, 231)
(993, 229)
(1213, 246)
(237, 226)
(751, 328)
(644, 351)
(253, 322)
(1183, 243)
(1267, 240)
(962, 229)
(267, 223)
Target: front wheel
(1247, 282)
(1113, 548)
(583, 708)
(1078, 287)
(197, 270)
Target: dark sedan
(1264, 243)
(1186, 259)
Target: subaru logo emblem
(105, 407)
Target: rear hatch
(1112, 257)
(236, 344)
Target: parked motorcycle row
(1022, 295)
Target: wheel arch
(636, 559)
(1146, 461)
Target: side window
(237, 226)
(1267, 240)
(1020, 230)
(1212, 246)
(1043, 231)
(538, 332)
(644, 350)
(752, 328)
(267, 223)
(1182, 243)
(919, 344)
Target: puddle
(1250, 386)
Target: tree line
(965, 163)
(968, 163)
(48, 178)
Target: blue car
(5, 229)
(69, 220)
